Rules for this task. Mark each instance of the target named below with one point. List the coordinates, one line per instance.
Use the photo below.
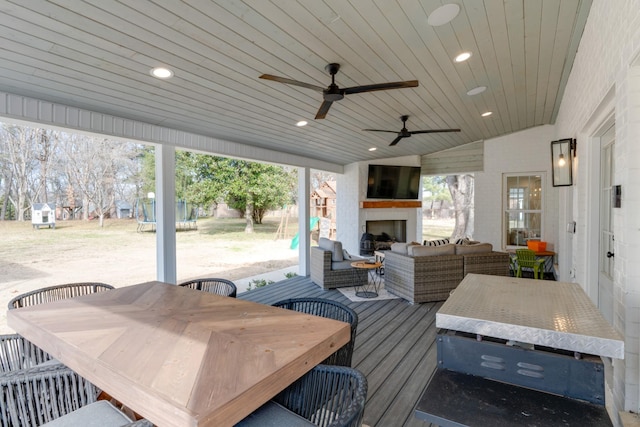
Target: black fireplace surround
(380, 235)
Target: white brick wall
(521, 152)
(606, 79)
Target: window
(522, 208)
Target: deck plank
(395, 348)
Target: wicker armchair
(16, 353)
(332, 310)
(55, 293)
(222, 287)
(327, 396)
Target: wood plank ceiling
(97, 55)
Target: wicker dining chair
(17, 353)
(332, 310)
(43, 394)
(55, 293)
(216, 286)
(326, 396)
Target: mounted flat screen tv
(393, 182)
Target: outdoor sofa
(422, 273)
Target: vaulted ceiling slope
(97, 55)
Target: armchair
(330, 269)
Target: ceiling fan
(404, 133)
(334, 93)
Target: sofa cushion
(333, 246)
(402, 247)
(478, 248)
(448, 249)
(342, 265)
(399, 247)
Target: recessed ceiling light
(476, 90)
(301, 123)
(487, 114)
(443, 14)
(372, 149)
(161, 72)
(463, 57)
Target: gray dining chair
(326, 396)
(331, 310)
(51, 394)
(216, 286)
(55, 293)
(17, 353)
(33, 396)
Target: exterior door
(606, 243)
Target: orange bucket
(537, 245)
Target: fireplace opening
(386, 232)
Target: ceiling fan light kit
(333, 92)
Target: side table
(370, 289)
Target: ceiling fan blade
(380, 130)
(291, 82)
(434, 131)
(380, 86)
(324, 109)
(395, 141)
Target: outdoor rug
(382, 294)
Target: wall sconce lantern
(562, 153)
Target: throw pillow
(346, 255)
(462, 241)
(418, 251)
(437, 242)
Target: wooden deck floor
(395, 348)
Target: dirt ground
(78, 251)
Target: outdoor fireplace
(381, 234)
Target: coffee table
(370, 289)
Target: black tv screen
(393, 182)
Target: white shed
(43, 214)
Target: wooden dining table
(177, 356)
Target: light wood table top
(366, 265)
(181, 357)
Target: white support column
(166, 213)
(304, 216)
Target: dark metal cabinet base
(553, 371)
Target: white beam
(166, 214)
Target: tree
(20, 155)
(434, 189)
(93, 165)
(259, 187)
(461, 189)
